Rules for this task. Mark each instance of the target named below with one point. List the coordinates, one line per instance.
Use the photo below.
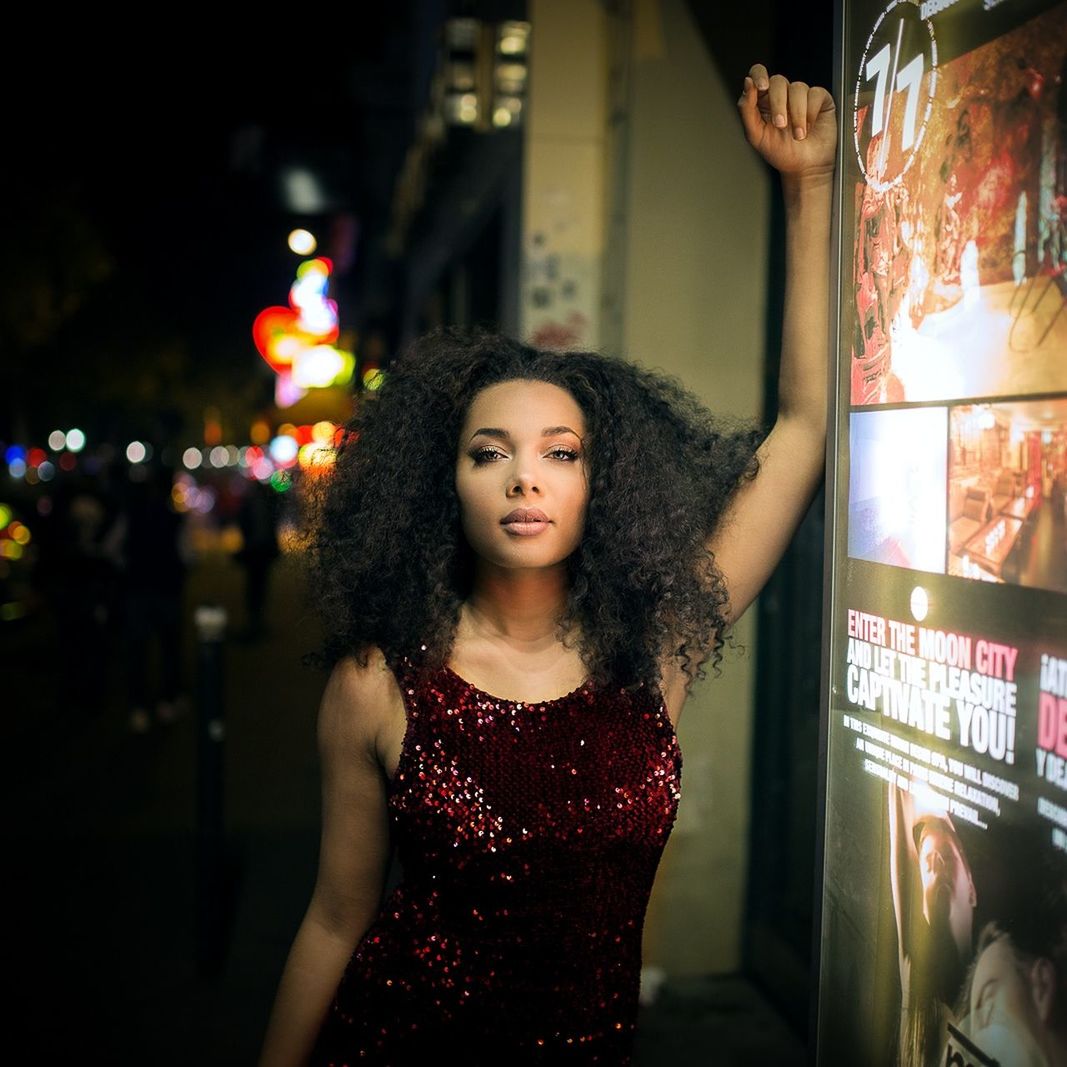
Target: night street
(105, 950)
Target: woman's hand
(792, 125)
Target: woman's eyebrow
(503, 435)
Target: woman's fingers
(798, 109)
(777, 101)
(760, 77)
(751, 119)
(819, 100)
(772, 99)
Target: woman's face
(949, 896)
(1008, 1017)
(521, 474)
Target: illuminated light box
(944, 815)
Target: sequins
(529, 836)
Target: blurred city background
(214, 247)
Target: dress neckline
(507, 700)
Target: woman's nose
(522, 483)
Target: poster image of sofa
(1007, 492)
(896, 493)
(959, 265)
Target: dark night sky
(144, 214)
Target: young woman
(525, 558)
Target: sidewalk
(103, 935)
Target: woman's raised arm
(793, 126)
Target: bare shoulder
(353, 717)
(359, 705)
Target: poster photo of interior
(959, 196)
(1003, 515)
(1008, 492)
(896, 493)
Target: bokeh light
(262, 469)
(323, 432)
(302, 242)
(316, 457)
(283, 450)
(320, 366)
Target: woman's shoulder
(358, 667)
(361, 697)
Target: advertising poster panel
(944, 902)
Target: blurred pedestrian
(80, 578)
(257, 518)
(156, 554)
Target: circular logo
(895, 87)
(920, 603)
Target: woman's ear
(1043, 987)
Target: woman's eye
(487, 454)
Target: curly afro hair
(390, 566)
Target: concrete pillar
(563, 175)
(696, 220)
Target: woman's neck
(520, 609)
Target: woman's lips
(525, 521)
(525, 528)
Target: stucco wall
(697, 221)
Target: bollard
(211, 881)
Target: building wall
(697, 216)
(646, 146)
(564, 166)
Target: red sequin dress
(529, 836)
